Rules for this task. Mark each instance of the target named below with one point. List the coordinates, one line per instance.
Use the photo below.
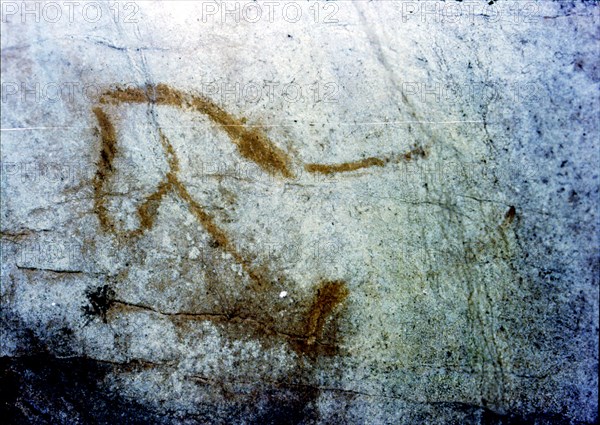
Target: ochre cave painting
(306, 337)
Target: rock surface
(345, 212)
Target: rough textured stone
(413, 240)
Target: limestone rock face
(287, 212)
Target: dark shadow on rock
(41, 389)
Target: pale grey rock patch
(471, 273)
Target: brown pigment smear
(414, 153)
(148, 210)
(218, 235)
(108, 150)
(252, 145)
(172, 157)
(345, 167)
(330, 294)
(251, 142)
(127, 95)
(305, 344)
